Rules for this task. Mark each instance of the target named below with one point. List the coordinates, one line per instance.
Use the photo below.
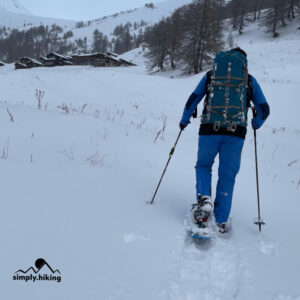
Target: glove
(254, 124)
(181, 126)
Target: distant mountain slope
(13, 15)
(13, 6)
(79, 35)
(149, 15)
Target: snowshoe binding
(201, 210)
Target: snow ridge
(14, 6)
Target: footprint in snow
(267, 248)
(133, 237)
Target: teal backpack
(226, 102)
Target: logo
(43, 272)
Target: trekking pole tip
(259, 222)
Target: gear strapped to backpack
(226, 102)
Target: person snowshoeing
(229, 90)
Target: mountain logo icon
(40, 264)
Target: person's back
(229, 90)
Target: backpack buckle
(217, 125)
(232, 127)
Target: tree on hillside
(100, 41)
(174, 31)
(256, 7)
(238, 9)
(156, 37)
(275, 15)
(291, 8)
(202, 33)
(191, 36)
(123, 40)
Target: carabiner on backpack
(217, 125)
(232, 127)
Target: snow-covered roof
(111, 54)
(58, 55)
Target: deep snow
(75, 186)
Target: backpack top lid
(238, 49)
(233, 60)
(231, 54)
(238, 52)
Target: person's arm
(260, 103)
(192, 102)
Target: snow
(13, 6)
(135, 56)
(13, 15)
(75, 186)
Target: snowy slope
(149, 15)
(74, 186)
(13, 15)
(13, 6)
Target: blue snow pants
(229, 149)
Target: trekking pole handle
(254, 111)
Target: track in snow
(210, 272)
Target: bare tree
(156, 38)
(202, 34)
(274, 15)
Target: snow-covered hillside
(13, 6)
(19, 18)
(149, 15)
(76, 175)
(14, 15)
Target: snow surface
(75, 186)
(21, 19)
(13, 6)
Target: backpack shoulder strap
(208, 80)
(249, 91)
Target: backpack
(226, 101)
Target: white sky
(80, 9)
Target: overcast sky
(80, 9)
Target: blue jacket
(256, 96)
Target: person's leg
(230, 160)
(207, 151)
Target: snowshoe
(224, 228)
(199, 223)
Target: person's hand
(181, 126)
(254, 124)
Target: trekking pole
(259, 220)
(170, 156)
